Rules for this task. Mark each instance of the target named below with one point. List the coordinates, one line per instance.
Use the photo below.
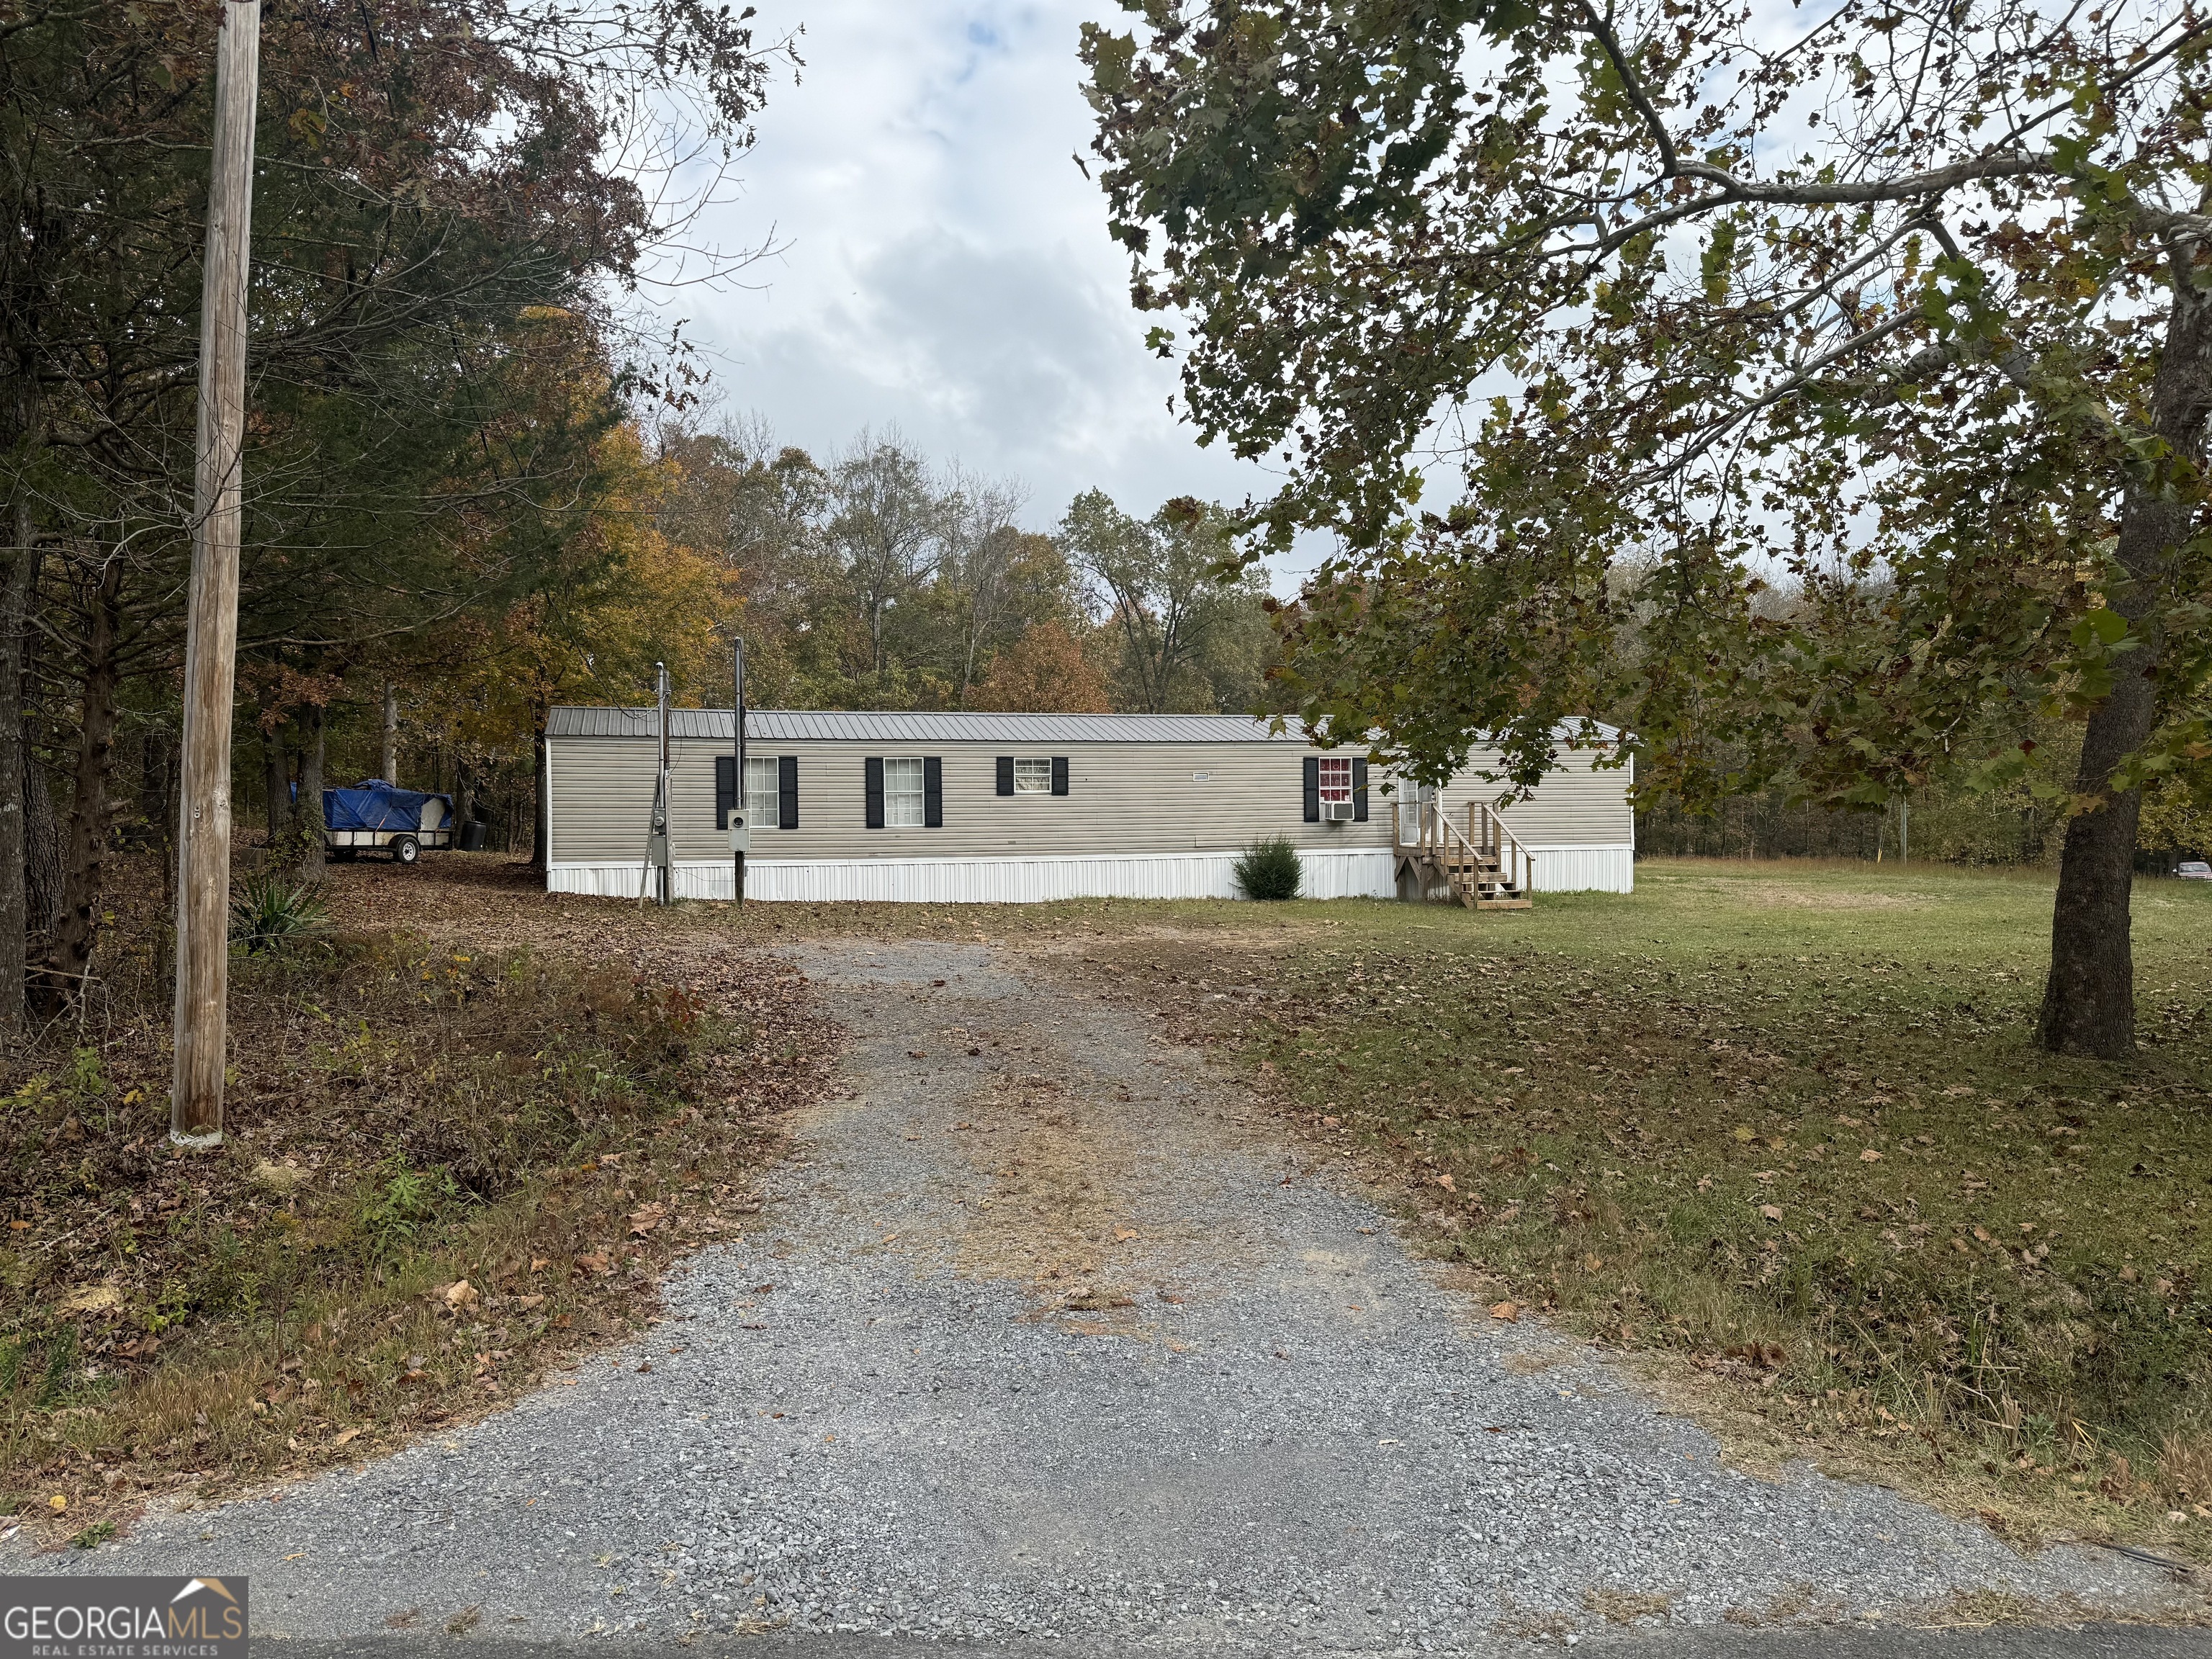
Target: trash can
(472, 836)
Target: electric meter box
(741, 837)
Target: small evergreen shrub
(1268, 870)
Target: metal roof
(829, 725)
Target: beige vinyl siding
(1122, 797)
(1577, 805)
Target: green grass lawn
(1784, 1122)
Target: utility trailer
(379, 816)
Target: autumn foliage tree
(1904, 308)
(435, 177)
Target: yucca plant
(1268, 870)
(273, 914)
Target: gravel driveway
(1038, 1337)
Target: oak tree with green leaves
(1820, 385)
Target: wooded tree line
(875, 578)
(450, 195)
(470, 478)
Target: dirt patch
(1057, 1206)
(1800, 897)
(1618, 1606)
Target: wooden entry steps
(1484, 867)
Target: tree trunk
(311, 792)
(276, 789)
(69, 954)
(42, 845)
(391, 773)
(15, 768)
(538, 824)
(2088, 1002)
(155, 746)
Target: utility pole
(211, 627)
(741, 818)
(659, 881)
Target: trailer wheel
(405, 850)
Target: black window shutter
(1313, 789)
(932, 793)
(787, 791)
(873, 770)
(1006, 775)
(726, 788)
(1059, 774)
(1359, 792)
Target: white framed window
(902, 805)
(760, 793)
(1032, 777)
(1335, 781)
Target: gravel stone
(1315, 1447)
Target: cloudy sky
(946, 268)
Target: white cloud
(947, 268)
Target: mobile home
(997, 808)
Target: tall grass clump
(272, 913)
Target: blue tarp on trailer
(376, 805)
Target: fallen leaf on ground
(1869, 1156)
(461, 1294)
(1505, 1310)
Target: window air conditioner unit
(1336, 812)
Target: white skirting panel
(1363, 872)
(1585, 869)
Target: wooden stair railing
(1485, 866)
(1515, 863)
